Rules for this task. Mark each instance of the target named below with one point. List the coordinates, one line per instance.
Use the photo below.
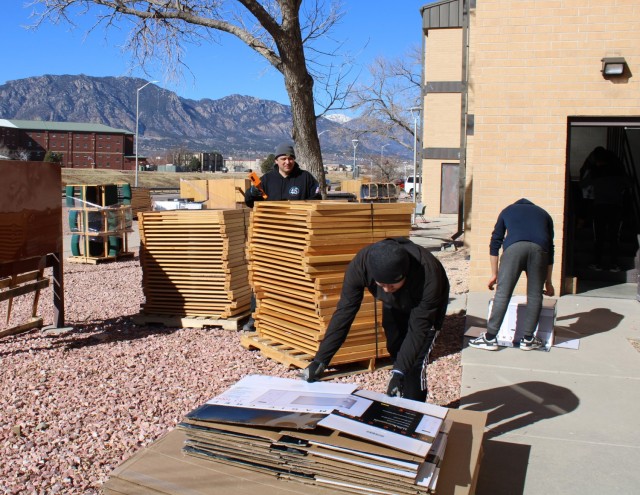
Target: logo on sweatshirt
(294, 191)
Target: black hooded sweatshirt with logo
(298, 185)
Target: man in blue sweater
(526, 247)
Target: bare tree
(279, 30)
(22, 155)
(386, 101)
(383, 169)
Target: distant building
(81, 145)
(243, 164)
(210, 161)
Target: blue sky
(370, 28)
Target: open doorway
(601, 249)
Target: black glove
(396, 384)
(313, 371)
(255, 192)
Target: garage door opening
(601, 240)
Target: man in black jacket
(414, 289)
(286, 181)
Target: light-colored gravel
(73, 406)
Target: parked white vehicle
(409, 185)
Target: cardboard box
(510, 333)
(163, 469)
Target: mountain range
(238, 125)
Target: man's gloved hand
(396, 384)
(312, 372)
(255, 192)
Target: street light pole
(355, 170)
(137, 119)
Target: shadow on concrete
(598, 320)
(519, 405)
(510, 461)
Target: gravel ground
(74, 405)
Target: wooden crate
(100, 217)
(215, 193)
(140, 201)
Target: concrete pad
(563, 421)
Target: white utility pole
(137, 119)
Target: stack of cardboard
(322, 434)
(298, 253)
(193, 262)
(164, 469)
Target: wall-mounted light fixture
(613, 66)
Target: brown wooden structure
(31, 233)
(214, 194)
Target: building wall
(442, 110)
(532, 66)
(78, 149)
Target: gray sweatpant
(520, 257)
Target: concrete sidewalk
(564, 421)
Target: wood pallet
(94, 260)
(291, 357)
(177, 321)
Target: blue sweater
(523, 221)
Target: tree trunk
(305, 134)
(299, 85)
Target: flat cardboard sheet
(163, 469)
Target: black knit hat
(388, 262)
(285, 149)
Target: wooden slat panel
(298, 252)
(194, 262)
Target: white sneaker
(483, 343)
(530, 345)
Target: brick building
(515, 97)
(81, 145)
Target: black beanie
(285, 149)
(388, 262)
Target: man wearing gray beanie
(414, 289)
(286, 181)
